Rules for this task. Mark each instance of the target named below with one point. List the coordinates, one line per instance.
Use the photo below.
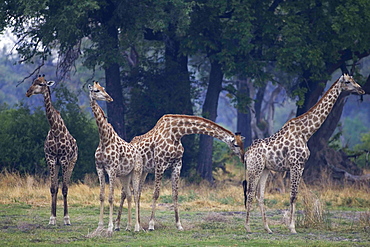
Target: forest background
(248, 65)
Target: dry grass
(226, 195)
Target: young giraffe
(60, 148)
(287, 150)
(161, 148)
(117, 158)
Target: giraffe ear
(90, 87)
(50, 83)
(240, 135)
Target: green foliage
(223, 155)
(23, 132)
(364, 149)
(152, 95)
(300, 93)
(82, 127)
(353, 127)
(246, 37)
(22, 136)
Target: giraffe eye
(96, 91)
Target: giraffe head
(239, 140)
(239, 145)
(350, 85)
(97, 92)
(235, 143)
(39, 86)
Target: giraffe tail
(245, 184)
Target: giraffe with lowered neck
(117, 158)
(161, 148)
(287, 150)
(60, 148)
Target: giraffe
(161, 148)
(60, 148)
(287, 150)
(117, 158)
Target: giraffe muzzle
(360, 91)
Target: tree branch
(350, 177)
(36, 71)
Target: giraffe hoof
(151, 230)
(52, 221)
(117, 229)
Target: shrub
(23, 133)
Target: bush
(23, 133)
(82, 127)
(363, 149)
(22, 136)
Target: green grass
(210, 215)
(27, 225)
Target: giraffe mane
(197, 118)
(317, 103)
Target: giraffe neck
(55, 121)
(182, 125)
(312, 120)
(106, 131)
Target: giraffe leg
(119, 214)
(99, 231)
(142, 181)
(67, 172)
(110, 200)
(158, 179)
(101, 198)
(261, 198)
(65, 194)
(54, 170)
(295, 177)
(141, 185)
(137, 186)
(251, 192)
(175, 177)
(127, 190)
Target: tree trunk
(177, 77)
(244, 115)
(114, 88)
(179, 90)
(270, 109)
(209, 111)
(314, 91)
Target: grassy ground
(211, 216)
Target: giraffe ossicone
(60, 147)
(287, 150)
(118, 159)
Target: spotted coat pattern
(116, 158)
(161, 149)
(60, 148)
(287, 150)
